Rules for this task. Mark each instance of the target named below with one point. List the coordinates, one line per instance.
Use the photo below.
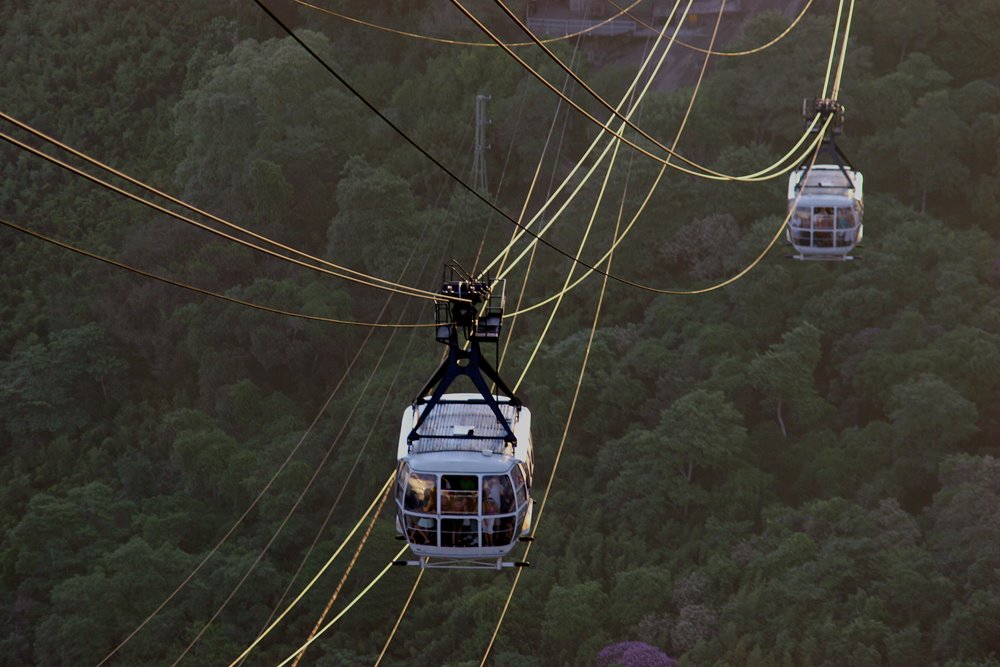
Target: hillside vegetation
(800, 469)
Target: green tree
(785, 375)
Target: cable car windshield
(463, 510)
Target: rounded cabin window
(802, 216)
(402, 471)
(460, 532)
(462, 510)
(498, 494)
(421, 493)
(522, 492)
(421, 530)
(459, 494)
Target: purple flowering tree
(633, 654)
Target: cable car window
(498, 495)
(459, 533)
(503, 531)
(459, 494)
(401, 473)
(845, 218)
(802, 216)
(518, 476)
(823, 217)
(421, 493)
(421, 530)
(522, 494)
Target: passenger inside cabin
(489, 508)
(459, 494)
(845, 222)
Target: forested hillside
(801, 468)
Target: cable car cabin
(826, 220)
(462, 489)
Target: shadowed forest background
(800, 469)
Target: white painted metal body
(826, 222)
(462, 492)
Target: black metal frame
(826, 107)
(477, 325)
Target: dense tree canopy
(800, 469)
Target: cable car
(826, 220)
(826, 202)
(465, 460)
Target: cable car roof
(827, 180)
(464, 423)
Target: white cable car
(826, 202)
(826, 220)
(464, 460)
(462, 489)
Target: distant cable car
(826, 203)
(464, 460)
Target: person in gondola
(490, 507)
(425, 524)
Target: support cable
(723, 54)
(253, 504)
(705, 172)
(403, 134)
(559, 451)
(215, 295)
(622, 11)
(316, 471)
(371, 430)
(813, 147)
(833, 47)
(346, 609)
(569, 274)
(337, 438)
(399, 619)
(387, 485)
(347, 571)
(531, 258)
(790, 153)
(440, 165)
(843, 53)
(459, 42)
(337, 270)
(626, 96)
(288, 515)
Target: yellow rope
(205, 292)
(572, 268)
(347, 572)
(628, 94)
(710, 52)
(833, 47)
(705, 173)
(755, 176)
(399, 619)
(343, 611)
(562, 444)
(622, 11)
(337, 270)
(313, 581)
(459, 42)
(628, 228)
(843, 52)
(684, 120)
(255, 501)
